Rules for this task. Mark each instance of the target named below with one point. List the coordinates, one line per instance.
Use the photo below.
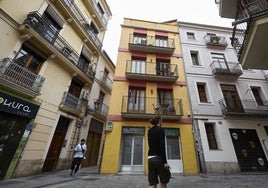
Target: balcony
(226, 69)
(46, 38)
(244, 108)
(227, 8)
(105, 82)
(142, 70)
(215, 41)
(99, 111)
(96, 12)
(15, 77)
(151, 44)
(146, 107)
(70, 10)
(71, 104)
(249, 34)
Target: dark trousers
(76, 162)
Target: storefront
(16, 116)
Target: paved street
(88, 179)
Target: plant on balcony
(214, 39)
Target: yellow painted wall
(9, 38)
(21, 8)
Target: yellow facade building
(149, 79)
(55, 83)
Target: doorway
(56, 144)
(12, 128)
(248, 149)
(132, 150)
(173, 150)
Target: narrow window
(201, 87)
(212, 142)
(194, 56)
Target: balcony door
(138, 66)
(231, 98)
(132, 159)
(136, 102)
(219, 61)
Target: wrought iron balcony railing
(20, 76)
(246, 108)
(144, 107)
(101, 16)
(40, 25)
(152, 44)
(81, 19)
(247, 11)
(151, 71)
(100, 110)
(226, 68)
(218, 41)
(71, 103)
(105, 80)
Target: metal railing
(101, 16)
(151, 68)
(51, 35)
(81, 19)
(219, 67)
(151, 41)
(150, 105)
(246, 13)
(101, 108)
(215, 40)
(71, 101)
(106, 80)
(21, 76)
(246, 107)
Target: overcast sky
(194, 11)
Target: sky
(193, 11)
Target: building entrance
(132, 150)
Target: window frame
(197, 58)
(211, 136)
(205, 92)
(190, 35)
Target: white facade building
(229, 104)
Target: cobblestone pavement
(87, 179)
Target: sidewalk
(88, 178)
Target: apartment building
(250, 28)
(229, 104)
(55, 83)
(149, 79)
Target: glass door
(132, 154)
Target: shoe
(71, 173)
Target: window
(164, 98)
(136, 100)
(161, 41)
(219, 61)
(162, 67)
(138, 66)
(190, 35)
(212, 142)
(194, 57)
(94, 28)
(140, 39)
(54, 25)
(201, 87)
(27, 58)
(231, 98)
(256, 92)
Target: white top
(78, 150)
